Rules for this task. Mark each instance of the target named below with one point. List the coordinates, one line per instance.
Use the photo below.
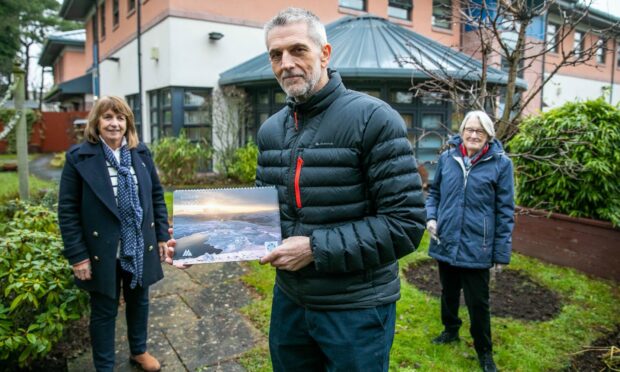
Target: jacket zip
(484, 236)
(300, 163)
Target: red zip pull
(296, 124)
(300, 163)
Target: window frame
(102, 20)
(578, 46)
(363, 8)
(439, 11)
(131, 9)
(552, 39)
(133, 101)
(116, 14)
(407, 6)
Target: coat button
(152, 224)
(150, 248)
(96, 258)
(95, 234)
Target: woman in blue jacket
(470, 218)
(114, 226)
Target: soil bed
(512, 293)
(593, 358)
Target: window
(600, 51)
(400, 9)
(618, 55)
(197, 114)
(115, 13)
(442, 14)
(102, 17)
(578, 43)
(134, 103)
(353, 4)
(131, 5)
(552, 37)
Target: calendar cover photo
(221, 225)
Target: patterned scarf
(130, 211)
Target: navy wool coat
(89, 217)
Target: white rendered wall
(187, 58)
(561, 89)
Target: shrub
(243, 167)
(178, 159)
(39, 296)
(568, 161)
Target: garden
(544, 316)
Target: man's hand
(292, 255)
(497, 268)
(170, 244)
(82, 270)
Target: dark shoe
(145, 361)
(486, 362)
(446, 337)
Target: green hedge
(178, 159)
(567, 160)
(39, 296)
(243, 167)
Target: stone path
(194, 322)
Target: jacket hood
(495, 146)
(320, 100)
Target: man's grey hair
(316, 30)
(483, 118)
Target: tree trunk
(21, 135)
(26, 69)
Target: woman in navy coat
(114, 226)
(470, 216)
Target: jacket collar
(321, 100)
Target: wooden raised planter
(591, 246)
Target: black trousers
(475, 285)
(103, 312)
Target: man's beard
(302, 92)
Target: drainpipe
(96, 50)
(542, 88)
(138, 36)
(613, 70)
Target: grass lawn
(590, 308)
(10, 185)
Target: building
(64, 53)
(190, 48)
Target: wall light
(215, 35)
(113, 59)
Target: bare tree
(231, 112)
(499, 32)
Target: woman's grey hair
(483, 119)
(316, 30)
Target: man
(351, 204)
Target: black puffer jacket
(347, 178)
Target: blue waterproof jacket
(474, 210)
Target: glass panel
(166, 97)
(154, 133)
(397, 12)
(263, 98)
(167, 117)
(280, 97)
(153, 100)
(401, 96)
(431, 121)
(442, 14)
(195, 98)
(198, 133)
(408, 118)
(196, 117)
(262, 117)
(431, 99)
(412, 138)
(430, 141)
(167, 131)
(154, 117)
(355, 4)
(374, 93)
